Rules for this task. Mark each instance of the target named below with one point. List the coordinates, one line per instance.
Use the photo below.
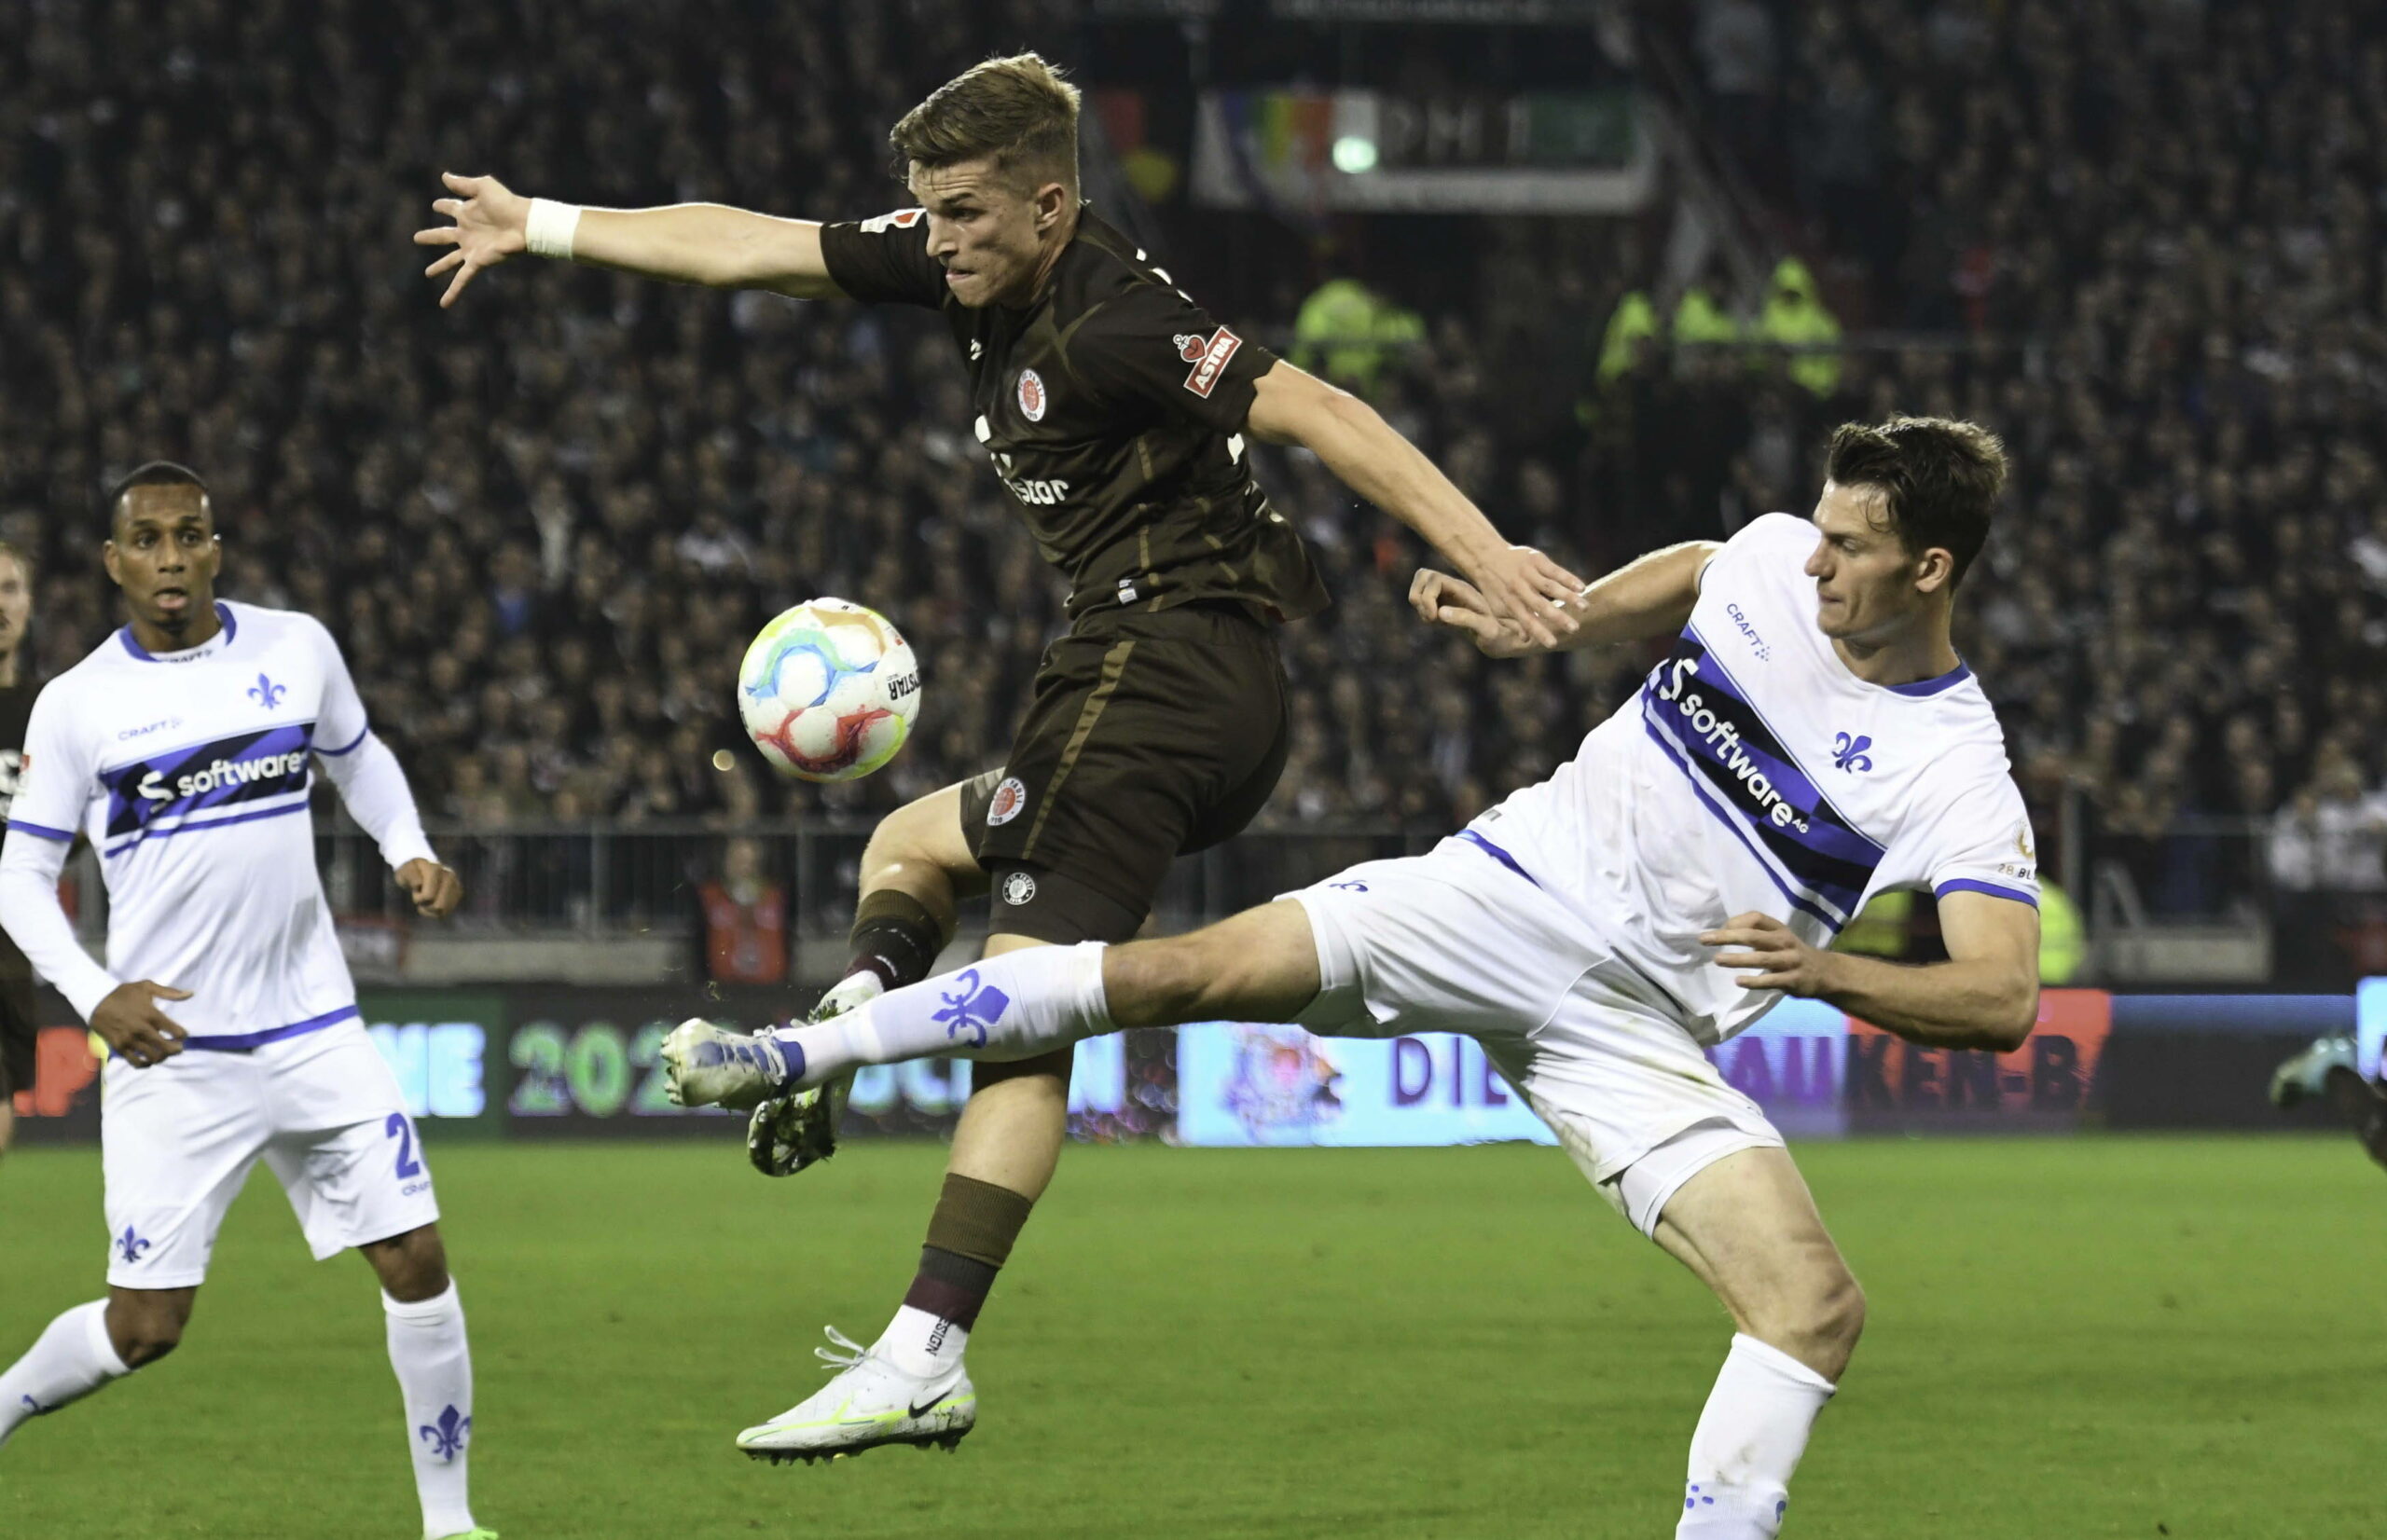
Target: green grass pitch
(2068, 1339)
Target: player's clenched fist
(436, 889)
(132, 1026)
(491, 224)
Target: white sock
(72, 1358)
(1747, 1443)
(921, 1344)
(434, 1367)
(1009, 1007)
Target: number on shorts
(399, 1129)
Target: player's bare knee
(412, 1266)
(1816, 1320)
(146, 1324)
(919, 848)
(1840, 1315)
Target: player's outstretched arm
(707, 243)
(1651, 596)
(1986, 995)
(1517, 583)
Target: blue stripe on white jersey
(1745, 775)
(187, 787)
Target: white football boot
(710, 1066)
(871, 1402)
(788, 1133)
(2307, 1074)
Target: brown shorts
(1151, 736)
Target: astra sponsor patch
(1209, 355)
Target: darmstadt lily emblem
(449, 1438)
(972, 1009)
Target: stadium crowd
(2157, 222)
(544, 524)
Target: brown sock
(970, 1238)
(895, 937)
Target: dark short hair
(1018, 110)
(1939, 478)
(156, 473)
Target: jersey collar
(1948, 681)
(223, 617)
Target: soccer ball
(828, 691)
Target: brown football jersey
(1113, 408)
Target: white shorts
(1456, 940)
(177, 1140)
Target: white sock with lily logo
(435, 1365)
(1009, 1007)
(71, 1359)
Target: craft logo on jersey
(972, 1009)
(1031, 396)
(1209, 355)
(1010, 797)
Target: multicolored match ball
(828, 691)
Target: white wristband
(549, 229)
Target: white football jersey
(1755, 772)
(189, 772)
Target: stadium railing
(2205, 899)
(612, 879)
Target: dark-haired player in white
(1814, 739)
(184, 748)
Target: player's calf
(1259, 966)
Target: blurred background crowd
(544, 524)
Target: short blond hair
(1018, 111)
